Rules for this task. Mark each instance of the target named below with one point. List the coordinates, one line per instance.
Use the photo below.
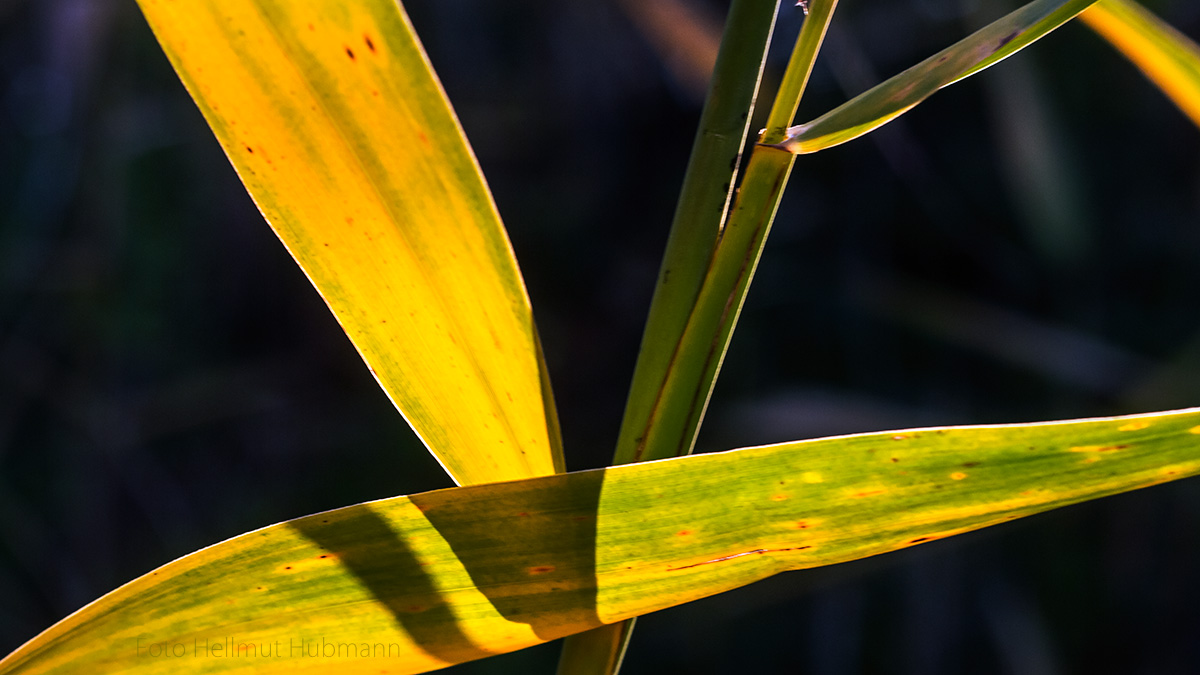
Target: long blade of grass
(1169, 58)
(333, 118)
(887, 101)
(411, 584)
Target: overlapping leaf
(335, 122)
(410, 584)
(887, 101)
(1169, 58)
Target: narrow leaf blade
(333, 118)
(887, 101)
(424, 581)
(1169, 58)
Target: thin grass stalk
(700, 213)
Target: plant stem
(703, 204)
(681, 397)
(699, 216)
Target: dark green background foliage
(1024, 246)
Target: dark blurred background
(1024, 246)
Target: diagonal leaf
(1169, 58)
(887, 101)
(332, 116)
(415, 583)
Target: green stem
(701, 211)
(681, 397)
(703, 204)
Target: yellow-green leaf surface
(335, 122)
(1169, 58)
(887, 101)
(410, 584)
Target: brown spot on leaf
(350, 53)
(918, 540)
(370, 45)
(867, 493)
(541, 569)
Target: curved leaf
(986, 47)
(1169, 58)
(410, 584)
(332, 116)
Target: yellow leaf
(1169, 58)
(333, 118)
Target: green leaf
(411, 584)
(332, 116)
(887, 101)
(1169, 58)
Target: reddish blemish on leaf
(541, 569)
(867, 493)
(522, 515)
(802, 525)
(779, 498)
(683, 533)
(757, 551)
(958, 475)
